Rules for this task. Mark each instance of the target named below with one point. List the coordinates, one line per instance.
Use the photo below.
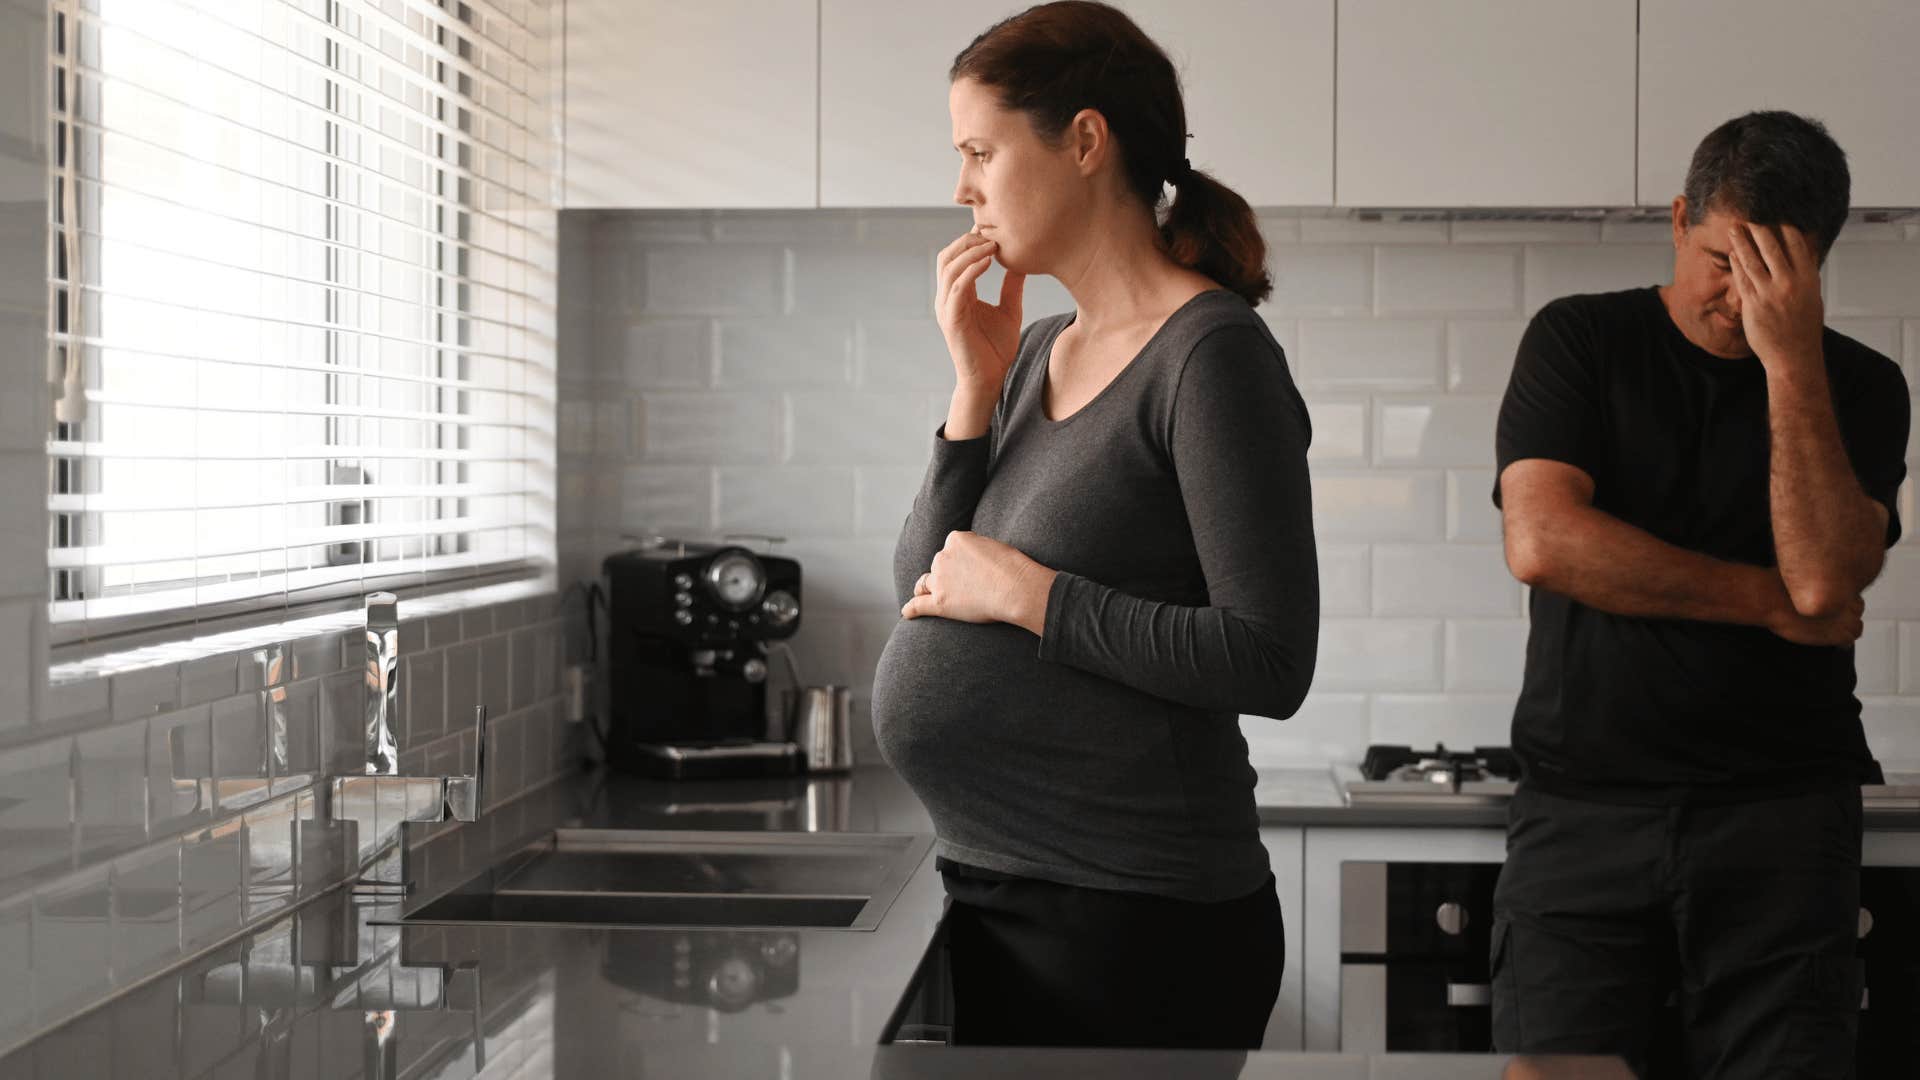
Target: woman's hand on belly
(977, 579)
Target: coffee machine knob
(683, 599)
(754, 671)
(683, 617)
(780, 607)
(683, 581)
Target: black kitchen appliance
(687, 658)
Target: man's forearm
(1605, 563)
(1826, 535)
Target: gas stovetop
(1404, 776)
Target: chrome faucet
(382, 800)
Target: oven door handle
(1469, 995)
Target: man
(1697, 481)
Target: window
(303, 292)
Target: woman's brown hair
(1052, 60)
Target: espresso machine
(687, 658)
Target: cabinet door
(1257, 76)
(674, 104)
(1286, 849)
(1848, 64)
(1503, 103)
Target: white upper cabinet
(1497, 103)
(1257, 74)
(676, 104)
(1848, 63)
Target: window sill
(213, 659)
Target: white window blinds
(303, 290)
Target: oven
(1414, 944)
(1413, 956)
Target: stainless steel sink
(736, 880)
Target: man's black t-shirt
(1676, 440)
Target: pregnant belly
(954, 700)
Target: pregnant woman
(1111, 558)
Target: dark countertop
(1314, 796)
(329, 990)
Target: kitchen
(516, 225)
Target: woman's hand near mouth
(981, 337)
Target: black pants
(1040, 964)
(1743, 916)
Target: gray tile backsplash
(781, 372)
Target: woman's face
(1024, 194)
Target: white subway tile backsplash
(785, 352)
(1907, 642)
(1378, 505)
(180, 769)
(1893, 731)
(845, 575)
(836, 227)
(1896, 593)
(1343, 229)
(858, 428)
(23, 529)
(1320, 280)
(1378, 654)
(883, 496)
(1486, 654)
(23, 347)
(1435, 431)
(1462, 721)
(1367, 355)
(1447, 280)
(210, 885)
(20, 665)
(1480, 354)
(1553, 270)
(110, 790)
(665, 499)
(664, 353)
(16, 958)
(1525, 232)
(1471, 515)
(1650, 232)
(77, 703)
(1345, 573)
(829, 281)
(1442, 579)
(1880, 335)
(699, 280)
(1876, 658)
(495, 667)
(146, 911)
(1871, 280)
(1339, 431)
(1401, 336)
(711, 428)
(902, 354)
(209, 678)
(72, 944)
(36, 811)
(788, 501)
(1328, 727)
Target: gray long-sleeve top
(1176, 507)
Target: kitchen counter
(333, 990)
(1316, 796)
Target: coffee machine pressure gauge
(736, 579)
